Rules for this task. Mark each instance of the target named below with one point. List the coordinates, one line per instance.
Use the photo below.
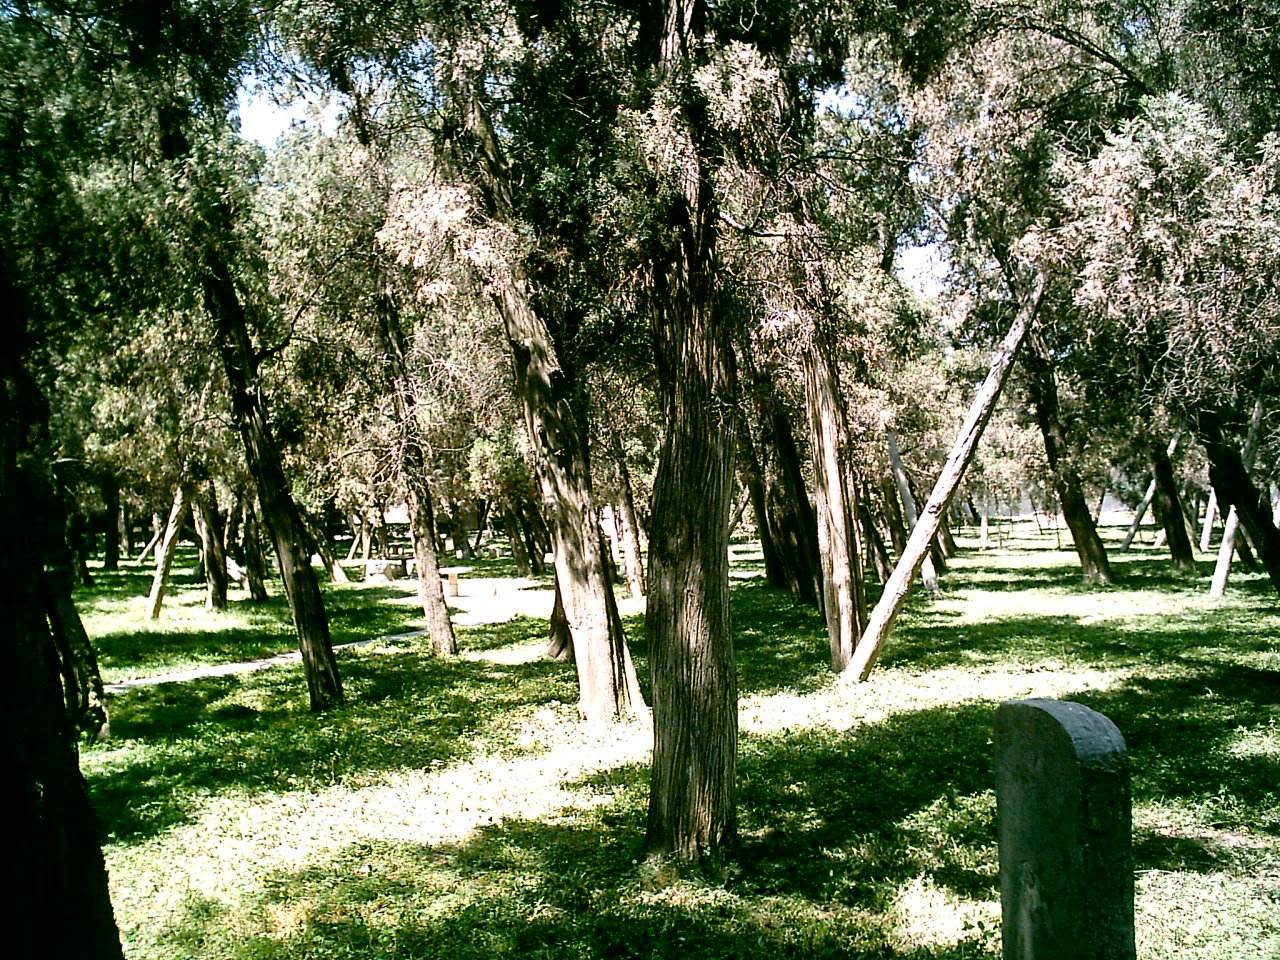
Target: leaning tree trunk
(165, 550)
(1168, 508)
(58, 902)
(796, 529)
(837, 507)
(1043, 390)
(879, 554)
(1145, 504)
(928, 572)
(1230, 477)
(692, 790)
(554, 415)
(279, 512)
(922, 534)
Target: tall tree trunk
(58, 903)
(519, 550)
(319, 538)
(837, 507)
(209, 530)
(928, 573)
(692, 789)
(1168, 508)
(554, 409)
(412, 462)
(1230, 477)
(630, 527)
(917, 549)
(1043, 389)
(280, 514)
(165, 551)
(157, 533)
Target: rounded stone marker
(1065, 827)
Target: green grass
(459, 809)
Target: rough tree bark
(1168, 509)
(1042, 388)
(917, 549)
(1206, 527)
(255, 565)
(692, 789)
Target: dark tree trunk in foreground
(1168, 508)
(1043, 390)
(554, 411)
(692, 790)
(58, 903)
(279, 513)
(413, 475)
(1229, 476)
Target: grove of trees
(532, 260)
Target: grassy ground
(459, 809)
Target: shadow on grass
(177, 744)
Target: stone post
(1063, 808)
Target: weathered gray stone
(384, 570)
(1066, 859)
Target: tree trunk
(111, 522)
(255, 567)
(1206, 530)
(58, 903)
(1168, 509)
(892, 510)
(279, 513)
(879, 555)
(553, 405)
(559, 636)
(319, 538)
(1140, 511)
(1043, 389)
(839, 549)
(928, 573)
(165, 551)
(895, 591)
(208, 529)
(412, 463)
(753, 479)
(633, 560)
(1229, 474)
